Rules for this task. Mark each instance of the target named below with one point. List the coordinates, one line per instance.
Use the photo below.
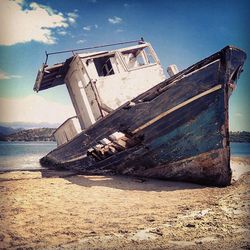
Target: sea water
(241, 149)
(23, 155)
(26, 155)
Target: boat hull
(177, 130)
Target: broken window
(138, 57)
(150, 58)
(104, 65)
(107, 68)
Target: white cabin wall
(76, 126)
(92, 99)
(115, 90)
(92, 73)
(114, 62)
(89, 87)
(76, 82)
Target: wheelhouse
(100, 82)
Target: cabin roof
(86, 55)
(51, 76)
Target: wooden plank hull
(176, 130)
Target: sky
(182, 32)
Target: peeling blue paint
(197, 136)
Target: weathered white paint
(115, 90)
(172, 70)
(90, 90)
(76, 81)
(67, 131)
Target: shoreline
(236, 162)
(64, 210)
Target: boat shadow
(119, 182)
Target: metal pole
(94, 47)
(46, 60)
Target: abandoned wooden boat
(131, 120)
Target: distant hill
(239, 136)
(8, 130)
(38, 134)
(2, 137)
(28, 125)
(21, 131)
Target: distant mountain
(28, 125)
(38, 134)
(242, 136)
(8, 130)
(2, 137)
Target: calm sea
(240, 149)
(26, 155)
(23, 155)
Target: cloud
(62, 32)
(81, 41)
(119, 30)
(5, 76)
(71, 20)
(35, 109)
(87, 28)
(72, 16)
(115, 20)
(21, 23)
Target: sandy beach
(49, 209)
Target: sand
(48, 209)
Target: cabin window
(104, 65)
(138, 57)
(150, 58)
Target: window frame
(148, 64)
(108, 54)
